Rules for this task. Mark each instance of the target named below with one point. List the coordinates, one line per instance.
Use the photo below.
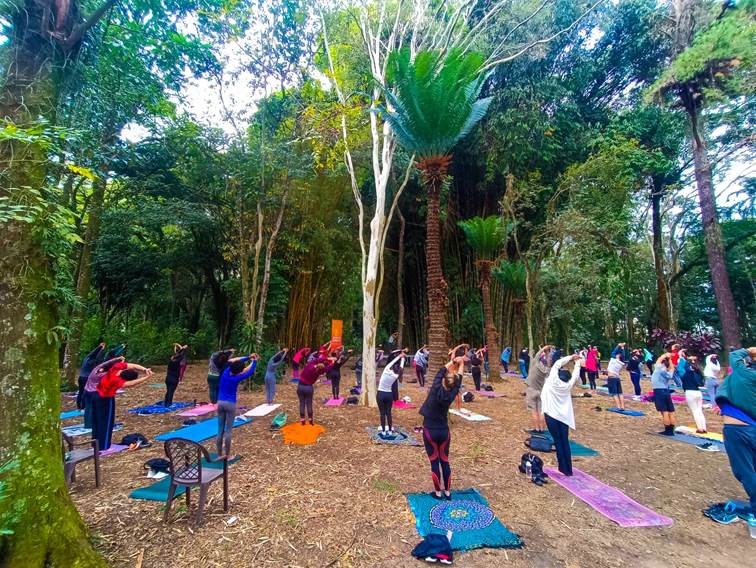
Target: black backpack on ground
(539, 444)
(136, 438)
(158, 464)
(468, 397)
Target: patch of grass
(288, 518)
(477, 452)
(384, 486)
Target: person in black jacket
(173, 373)
(339, 356)
(436, 434)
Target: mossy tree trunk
(39, 523)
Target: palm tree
(432, 103)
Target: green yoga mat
(158, 491)
(576, 448)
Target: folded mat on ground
(577, 449)
(467, 515)
(200, 431)
(467, 415)
(691, 431)
(402, 404)
(79, 430)
(694, 441)
(159, 408)
(302, 435)
(607, 500)
(158, 491)
(489, 394)
(261, 410)
(335, 401)
(71, 414)
(626, 411)
(401, 437)
(199, 410)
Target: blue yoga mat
(576, 449)
(199, 431)
(71, 414)
(467, 515)
(158, 491)
(159, 408)
(694, 441)
(626, 412)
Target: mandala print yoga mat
(159, 408)
(400, 438)
(467, 515)
(607, 500)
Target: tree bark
(728, 316)
(266, 271)
(438, 300)
(39, 523)
(399, 280)
(492, 336)
(663, 304)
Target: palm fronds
(511, 275)
(484, 235)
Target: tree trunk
(438, 301)
(529, 302)
(39, 524)
(492, 336)
(266, 271)
(663, 304)
(399, 280)
(83, 282)
(728, 315)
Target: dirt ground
(340, 502)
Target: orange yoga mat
(302, 435)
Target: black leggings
(561, 434)
(420, 372)
(437, 441)
(80, 393)
(592, 376)
(171, 384)
(476, 376)
(335, 382)
(582, 375)
(385, 403)
(305, 394)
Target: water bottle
(752, 525)
(529, 469)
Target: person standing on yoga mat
(506, 355)
(90, 388)
(692, 381)
(298, 361)
(583, 372)
(614, 383)
(173, 373)
(661, 378)
(592, 366)
(339, 357)
(306, 386)
(385, 394)
(421, 365)
(87, 365)
(537, 374)
(436, 433)
(236, 371)
(121, 374)
(556, 399)
(270, 374)
(633, 367)
(736, 398)
(216, 365)
(475, 360)
(711, 376)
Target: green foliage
(485, 235)
(511, 275)
(432, 101)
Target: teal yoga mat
(626, 412)
(71, 414)
(200, 431)
(577, 449)
(158, 491)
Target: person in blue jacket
(232, 375)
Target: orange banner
(337, 329)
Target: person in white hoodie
(711, 376)
(556, 403)
(614, 383)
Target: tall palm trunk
(434, 172)
(728, 316)
(492, 336)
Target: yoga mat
(694, 441)
(262, 410)
(402, 404)
(199, 410)
(159, 408)
(325, 382)
(691, 431)
(113, 449)
(71, 414)
(335, 401)
(158, 491)
(302, 435)
(467, 515)
(626, 412)
(401, 437)
(607, 500)
(157, 385)
(200, 431)
(467, 415)
(79, 430)
(489, 394)
(577, 449)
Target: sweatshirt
(311, 372)
(556, 396)
(228, 384)
(712, 368)
(435, 409)
(739, 387)
(538, 372)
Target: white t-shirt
(389, 377)
(556, 396)
(614, 367)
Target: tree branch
(80, 29)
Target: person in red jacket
(306, 386)
(298, 360)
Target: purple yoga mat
(608, 501)
(335, 402)
(489, 394)
(199, 410)
(113, 449)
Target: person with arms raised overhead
(236, 371)
(692, 381)
(614, 383)
(556, 400)
(537, 374)
(506, 355)
(711, 376)
(306, 386)
(385, 395)
(661, 379)
(87, 365)
(174, 372)
(339, 357)
(270, 374)
(216, 365)
(421, 364)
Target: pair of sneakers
(442, 558)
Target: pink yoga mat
(402, 404)
(335, 402)
(489, 394)
(113, 449)
(199, 410)
(607, 500)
